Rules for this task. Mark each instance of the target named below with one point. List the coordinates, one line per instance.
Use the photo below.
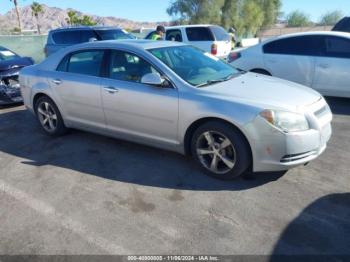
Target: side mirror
(153, 79)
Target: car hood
(264, 90)
(17, 62)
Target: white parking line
(51, 213)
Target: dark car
(10, 65)
(67, 36)
(343, 25)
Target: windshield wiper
(209, 82)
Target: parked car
(320, 60)
(343, 25)
(10, 65)
(210, 38)
(177, 97)
(67, 36)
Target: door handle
(324, 66)
(57, 81)
(111, 89)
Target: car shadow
(109, 158)
(321, 229)
(339, 105)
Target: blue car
(10, 65)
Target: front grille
(296, 157)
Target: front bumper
(274, 150)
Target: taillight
(233, 57)
(214, 49)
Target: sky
(155, 10)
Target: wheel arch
(196, 124)
(260, 71)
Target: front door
(136, 109)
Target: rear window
(199, 34)
(220, 33)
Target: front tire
(221, 150)
(49, 117)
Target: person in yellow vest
(158, 35)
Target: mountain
(54, 17)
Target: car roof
(325, 33)
(68, 28)
(134, 43)
(187, 26)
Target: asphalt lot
(88, 194)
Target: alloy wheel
(216, 152)
(47, 116)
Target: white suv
(210, 38)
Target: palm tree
(36, 10)
(15, 2)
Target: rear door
(293, 58)
(77, 85)
(332, 75)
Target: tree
(230, 14)
(271, 10)
(74, 19)
(298, 19)
(247, 16)
(331, 18)
(15, 2)
(36, 10)
(253, 18)
(196, 11)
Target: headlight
(286, 121)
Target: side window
(174, 35)
(199, 34)
(67, 37)
(86, 35)
(128, 67)
(84, 63)
(301, 45)
(337, 47)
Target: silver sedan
(176, 97)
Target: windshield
(194, 66)
(114, 34)
(6, 54)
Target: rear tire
(261, 72)
(221, 150)
(49, 117)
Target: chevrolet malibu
(176, 97)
